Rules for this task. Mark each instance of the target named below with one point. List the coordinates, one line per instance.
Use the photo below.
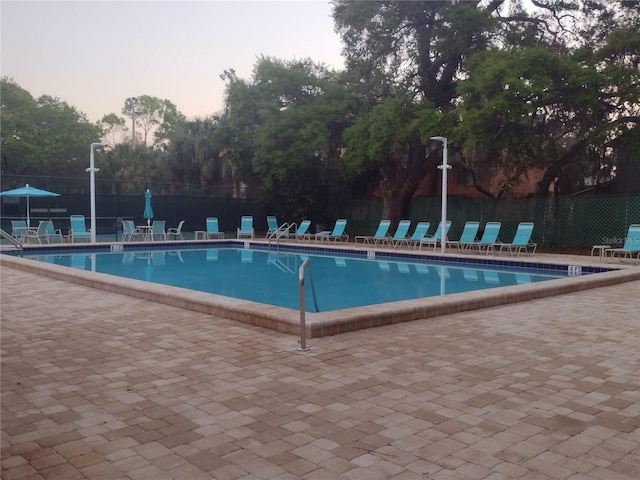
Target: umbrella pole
(28, 219)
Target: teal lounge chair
(176, 233)
(302, 232)
(436, 237)
(400, 233)
(379, 236)
(467, 236)
(421, 230)
(78, 229)
(246, 227)
(336, 234)
(631, 245)
(213, 228)
(488, 240)
(521, 241)
(272, 225)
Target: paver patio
(103, 386)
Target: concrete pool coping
(321, 324)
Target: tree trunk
(394, 206)
(553, 170)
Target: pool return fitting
(303, 328)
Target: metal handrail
(282, 230)
(15, 242)
(303, 328)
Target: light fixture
(92, 186)
(444, 167)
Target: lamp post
(92, 185)
(444, 167)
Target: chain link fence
(560, 222)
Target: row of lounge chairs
(468, 241)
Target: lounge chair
(130, 232)
(436, 237)
(421, 230)
(158, 231)
(488, 240)
(272, 225)
(176, 232)
(336, 234)
(400, 233)
(213, 229)
(467, 236)
(302, 232)
(51, 234)
(631, 245)
(246, 227)
(521, 240)
(379, 235)
(78, 229)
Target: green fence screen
(560, 222)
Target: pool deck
(103, 386)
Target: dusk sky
(95, 54)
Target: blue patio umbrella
(28, 192)
(148, 211)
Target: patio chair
(272, 225)
(521, 240)
(157, 230)
(488, 240)
(421, 230)
(51, 233)
(176, 232)
(18, 229)
(400, 234)
(37, 234)
(78, 229)
(467, 236)
(336, 234)
(245, 230)
(379, 235)
(631, 245)
(213, 229)
(130, 231)
(437, 236)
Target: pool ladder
(303, 327)
(283, 231)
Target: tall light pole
(92, 185)
(132, 102)
(444, 167)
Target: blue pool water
(272, 278)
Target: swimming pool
(576, 272)
(271, 277)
